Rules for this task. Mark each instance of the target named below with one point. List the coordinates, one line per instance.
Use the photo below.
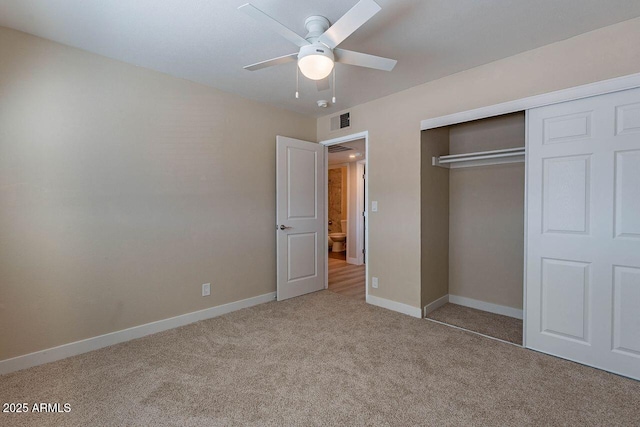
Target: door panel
(628, 119)
(565, 299)
(583, 231)
(566, 195)
(302, 251)
(627, 194)
(301, 183)
(626, 312)
(300, 176)
(566, 128)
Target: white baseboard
(431, 307)
(395, 306)
(95, 343)
(354, 261)
(486, 306)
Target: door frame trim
(340, 140)
(602, 87)
(361, 171)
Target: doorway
(346, 201)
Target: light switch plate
(374, 206)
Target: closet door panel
(566, 193)
(583, 231)
(627, 194)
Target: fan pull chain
(333, 100)
(297, 72)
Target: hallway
(347, 279)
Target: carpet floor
(320, 359)
(494, 325)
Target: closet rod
(481, 158)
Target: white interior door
(300, 204)
(583, 231)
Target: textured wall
(486, 215)
(434, 217)
(122, 191)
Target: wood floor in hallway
(346, 279)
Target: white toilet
(339, 239)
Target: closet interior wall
(472, 218)
(434, 217)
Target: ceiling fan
(318, 49)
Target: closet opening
(472, 225)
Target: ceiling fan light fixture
(315, 61)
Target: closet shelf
(481, 158)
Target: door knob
(284, 227)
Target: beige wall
(486, 214)
(393, 123)
(122, 191)
(434, 217)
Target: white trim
(360, 209)
(349, 208)
(348, 138)
(433, 306)
(395, 306)
(592, 89)
(353, 261)
(90, 344)
(526, 220)
(486, 306)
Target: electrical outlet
(206, 289)
(374, 282)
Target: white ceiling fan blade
(272, 24)
(364, 60)
(350, 21)
(271, 62)
(323, 84)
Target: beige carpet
(321, 359)
(493, 325)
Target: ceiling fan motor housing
(316, 25)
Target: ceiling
(209, 41)
(357, 147)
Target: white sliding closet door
(583, 231)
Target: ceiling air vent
(338, 148)
(342, 121)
